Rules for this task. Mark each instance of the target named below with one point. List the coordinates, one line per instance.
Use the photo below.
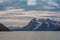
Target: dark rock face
(3, 28)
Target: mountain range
(39, 25)
(35, 25)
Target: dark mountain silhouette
(3, 28)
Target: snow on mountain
(39, 25)
(44, 25)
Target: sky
(20, 12)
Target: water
(29, 35)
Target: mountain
(42, 5)
(4, 28)
(42, 25)
(48, 25)
(39, 25)
(32, 24)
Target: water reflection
(30, 36)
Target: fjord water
(30, 35)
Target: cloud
(48, 7)
(16, 13)
(31, 2)
(1, 1)
(14, 22)
(21, 18)
(51, 2)
(45, 5)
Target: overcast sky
(13, 15)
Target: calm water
(30, 35)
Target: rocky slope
(3, 28)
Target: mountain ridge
(41, 25)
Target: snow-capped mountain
(39, 25)
(42, 25)
(43, 5)
(31, 25)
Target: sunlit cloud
(1, 1)
(31, 2)
(14, 22)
